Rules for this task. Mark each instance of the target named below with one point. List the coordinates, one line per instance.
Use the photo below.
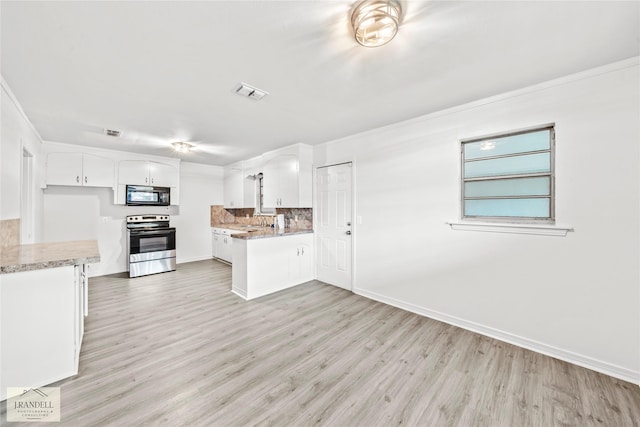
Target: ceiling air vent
(249, 91)
(111, 132)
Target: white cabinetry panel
(42, 324)
(233, 186)
(141, 172)
(79, 169)
(264, 266)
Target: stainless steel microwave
(143, 195)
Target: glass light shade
(375, 22)
(182, 147)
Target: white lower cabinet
(42, 325)
(264, 266)
(222, 243)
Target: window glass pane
(531, 141)
(534, 208)
(508, 187)
(530, 163)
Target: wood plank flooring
(179, 349)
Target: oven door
(146, 245)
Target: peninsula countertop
(38, 256)
(249, 232)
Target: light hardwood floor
(179, 349)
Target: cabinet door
(226, 252)
(306, 263)
(162, 175)
(64, 169)
(300, 264)
(79, 297)
(134, 172)
(280, 183)
(214, 244)
(233, 187)
(97, 171)
(288, 182)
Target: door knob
(348, 232)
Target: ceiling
(165, 71)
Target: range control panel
(146, 218)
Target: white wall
(17, 132)
(575, 297)
(200, 187)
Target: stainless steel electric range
(151, 244)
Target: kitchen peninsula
(269, 260)
(44, 299)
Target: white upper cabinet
(281, 182)
(141, 172)
(79, 169)
(287, 181)
(234, 186)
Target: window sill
(541, 230)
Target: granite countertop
(237, 227)
(257, 232)
(38, 256)
(268, 232)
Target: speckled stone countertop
(37, 256)
(237, 227)
(268, 232)
(250, 232)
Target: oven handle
(148, 232)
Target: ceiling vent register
(111, 132)
(249, 91)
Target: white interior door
(333, 225)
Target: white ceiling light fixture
(375, 22)
(182, 147)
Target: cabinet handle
(152, 180)
(85, 179)
(302, 250)
(78, 178)
(298, 252)
(146, 180)
(348, 232)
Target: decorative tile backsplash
(10, 232)
(220, 215)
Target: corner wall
(576, 297)
(17, 132)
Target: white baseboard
(558, 353)
(192, 259)
(240, 293)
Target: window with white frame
(509, 177)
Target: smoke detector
(249, 91)
(111, 132)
